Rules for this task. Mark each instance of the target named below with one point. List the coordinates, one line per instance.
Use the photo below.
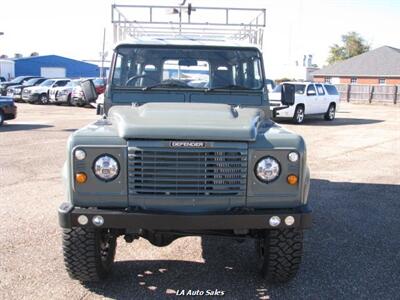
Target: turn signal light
(292, 179)
(80, 178)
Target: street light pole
(103, 55)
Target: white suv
(310, 99)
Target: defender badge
(187, 144)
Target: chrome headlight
(106, 167)
(267, 169)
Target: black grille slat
(188, 180)
(166, 173)
(187, 171)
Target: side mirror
(89, 90)
(288, 94)
(311, 93)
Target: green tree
(352, 44)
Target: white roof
(181, 40)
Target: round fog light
(289, 220)
(292, 179)
(98, 220)
(80, 154)
(293, 156)
(83, 220)
(274, 221)
(80, 177)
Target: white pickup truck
(310, 99)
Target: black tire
(330, 113)
(280, 253)
(43, 99)
(88, 253)
(2, 117)
(69, 103)
(299, 115)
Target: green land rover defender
(185, 147)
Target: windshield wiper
(161, 84)
(228, 86)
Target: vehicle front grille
(187, 172)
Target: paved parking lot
(353, 250)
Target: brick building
(379, 66)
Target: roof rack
(186, 20)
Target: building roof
(52, 58)
(380, 62)
(185, 40)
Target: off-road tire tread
(81, 256)
(283, 255)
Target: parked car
(16, 81)
(15, 91)
(63, 94)
(310, 99)
(8, 110)
(77, 96)
(40, 93)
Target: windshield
(299, 89)
(73, 83)
(47, 82)
(194, 68)
(18, 79)
(32, 81)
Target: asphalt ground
(352, 251)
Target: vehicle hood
(19, 86)
(8, 83)
(275, 96)
(38, 89)
(186, 121)
(6, 100)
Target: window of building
(382, 80)
(353, 80)
(328, 79)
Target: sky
(74, 28)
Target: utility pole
(103, 54)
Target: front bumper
(79, 100)
(10, 112)
(124, 219)
(30, 97)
